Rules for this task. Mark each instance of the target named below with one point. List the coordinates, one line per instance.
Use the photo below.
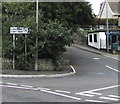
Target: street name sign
(18, 30)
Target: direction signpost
(15, 31)
(18, 30)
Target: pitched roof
(113, 0)
(114, 7)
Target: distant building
(98, 37)
(113, 15)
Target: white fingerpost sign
(18, 30)
(15, 31)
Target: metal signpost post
(36, 60)
(13, 51)
(14, 31)
(25, 48)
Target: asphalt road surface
(96, 80)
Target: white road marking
(84, 94)
(26, 86)
(43, 88)
(105, 88)
(59, 94)
(62, 91)
(88, 93)
(96, 58)
(112, 68)
(93, 101)
(108, 98)
(114, 96)
(99, 89)
(94, 93)
(73, 69)
(11, 84)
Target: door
(115, 42)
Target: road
(96, 80)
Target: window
(95, 37)
(114, 39)
(90, 38)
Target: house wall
(102, 37)
(94, 44)
(101, 40)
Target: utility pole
(107, 25)
(36, 60)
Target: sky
(95, 5)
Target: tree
(71, 14)
(56, 22)
(52, 35)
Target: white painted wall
(101, 40)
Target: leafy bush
(53, 37)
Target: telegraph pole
(36, 60)
(107, 26)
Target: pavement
(65, 71)
(97, 51)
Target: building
(113, 8)
(98, 39)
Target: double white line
(45, 90)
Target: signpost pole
(25, 43)
(13, 51)
(36, 61)
(25, 48)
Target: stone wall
(45, 64)
(6, 64)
